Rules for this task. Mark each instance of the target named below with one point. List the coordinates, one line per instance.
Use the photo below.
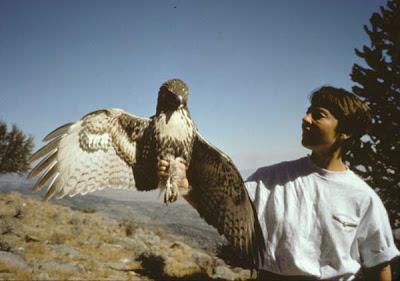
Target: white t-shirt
(318, 222)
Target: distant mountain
(247, 172)
(20, 183)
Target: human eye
(317, 114)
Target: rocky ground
(93, 238)
(44, 241)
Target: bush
(15, 149)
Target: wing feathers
(43, 164)
(50, 171)
(51, 190)
(220, 197)
(58, 132)
(46, 149)
(95, 152)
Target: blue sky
(250, 65)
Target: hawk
(112, 148)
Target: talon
(167, 195)
(174, 194)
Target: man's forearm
(381, 272)
(385, 273)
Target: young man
(319, 219)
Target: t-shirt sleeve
(375, 238)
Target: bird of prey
(112, 148)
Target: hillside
(179, 219)
(41, 240)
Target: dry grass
(56, 242)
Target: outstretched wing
(95, 152)
(219, 195)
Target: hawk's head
(173, 94)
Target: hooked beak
(179, 103)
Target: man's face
(319, 129)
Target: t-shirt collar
(324, 172)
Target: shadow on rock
(153, 267)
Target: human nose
(307, 118)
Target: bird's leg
(169, 195)
(171, 187)
(164, 183)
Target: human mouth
(305, 129)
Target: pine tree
(377, 157)
(15, 149)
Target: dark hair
(353, 114)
